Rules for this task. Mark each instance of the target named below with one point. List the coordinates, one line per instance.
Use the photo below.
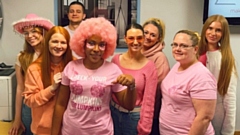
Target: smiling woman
(188, 86)
(216, 54)
(133, 62)
(32, 28)
(43, 78)
(57, 47)
(93, 79)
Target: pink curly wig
(94, 26)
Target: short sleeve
(117, 87)
(204, 90)
(65, 78)
(17, 60)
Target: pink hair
(94, 26)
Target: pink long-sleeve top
(41, 100)
(146, 83)
(160, 60)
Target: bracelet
(131, 87)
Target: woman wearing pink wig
(82, 105)
(32, 28)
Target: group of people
(66, 86)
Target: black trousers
(155, 127)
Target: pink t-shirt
(178, 90)
(88, 110)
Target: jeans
(124, 123)
(26, 119)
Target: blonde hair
(198, 36)
(194, 36)
(228, 62)
(160, 26)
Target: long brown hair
(26, 56)
(46, 55)
(228, 62)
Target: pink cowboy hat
(32, 20)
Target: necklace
(92, 70)
(89, 72)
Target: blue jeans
(26, 119)
(124, 123)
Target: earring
(219, 44)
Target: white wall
(177, 14)
(13, 10)
(186, 14)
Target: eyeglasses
(181, 46)
(91, 44)
(131, 39)
(27, 33)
